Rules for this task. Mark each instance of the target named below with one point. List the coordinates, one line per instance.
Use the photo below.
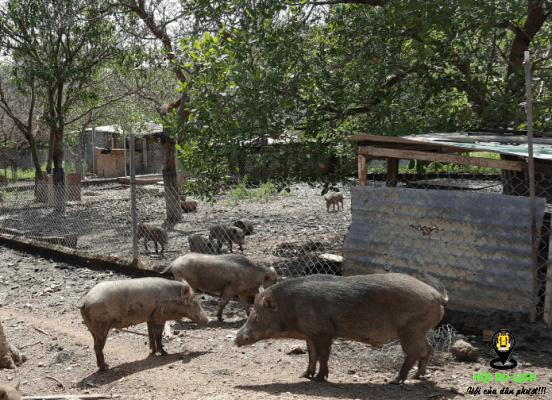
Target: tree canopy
(305, 75)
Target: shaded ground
(39, 316)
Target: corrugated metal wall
(477, 245)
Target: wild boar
(245, 227)
(334, 199)
(119, 304)
(188, 206)
(154, 233)
(227, 234)
(226, 275)
(199, 244)
(8, 392)
(371, 309)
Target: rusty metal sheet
(478, 245)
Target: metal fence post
(531, 162)
(133, 202)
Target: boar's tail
(80, 303)
(434, 283)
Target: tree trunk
(172, 195)
(536, 17)
(40, 184)
(10, 356)
(50, 151)
(59, 181)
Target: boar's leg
(158, 335)
(227, 295)
(151, 338)
(155, 334)
(322, 347)
(146, 245)
(100, 337)
(156, 250)
(415, 347)
(245, 305)
(422, 362)
(313, 357)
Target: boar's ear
(267, 276)
(261, 289)
(186, 292)
(17, 386)
(269, 302)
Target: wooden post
(547, 316)
(125, 152)
(362, 169)
(392, 171)
(94, 150)
(73, 187)
(145, 154)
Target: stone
(464, 351)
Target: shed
(445, 232)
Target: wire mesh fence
(298, 233)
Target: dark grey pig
(227, 234)
(226, 275)
(371, 309)
(153, 233)
(8, 392)
(199, 244)
(118, 304)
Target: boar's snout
(247, 335)
(243, 339)
(200, 317)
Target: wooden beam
(392, 171)
(361, 169)
(449, 158)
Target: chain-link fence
(298, 233)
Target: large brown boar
(226, 275)
(119, 304)
(371, 309)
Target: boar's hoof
(104, 367)
(164, 353)
(320, 379)
(398, 380)
(308, 374)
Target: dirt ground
(40, 318)
(100, 222)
